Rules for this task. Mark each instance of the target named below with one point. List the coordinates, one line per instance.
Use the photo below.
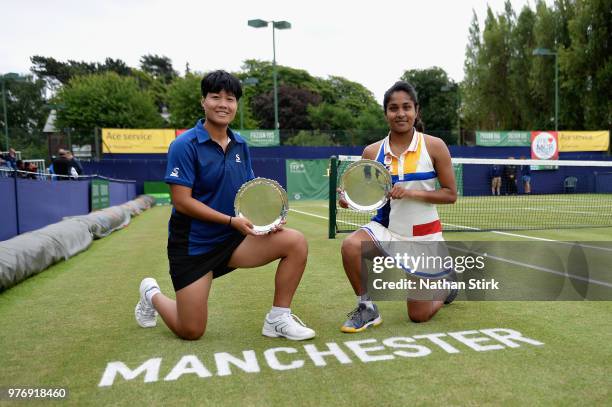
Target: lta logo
(544, 145)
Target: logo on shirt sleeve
(175, 172)
(238, 158)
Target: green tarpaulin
(307, 179)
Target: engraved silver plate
(262, 201)
(366, 185)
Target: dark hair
(403, 86)
(217, 81)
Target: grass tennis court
(63, 327)
(516, 212)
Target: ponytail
(418, 124)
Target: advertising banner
(100, 196)
(584, 140)
(544, 146)
(503, 138)
(136, 141)
(260, 138)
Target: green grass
(62, 327)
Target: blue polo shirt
(198, 162)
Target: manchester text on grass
(365, 350)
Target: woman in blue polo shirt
(206, 166)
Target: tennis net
(562, 194)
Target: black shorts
(185, 269)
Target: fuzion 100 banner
(260, 138)
(503, 138)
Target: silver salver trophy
(262, 201)
(365, 185)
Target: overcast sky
(370, 42)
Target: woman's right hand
(242, 225)
(341, 200)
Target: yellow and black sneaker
(361, 318)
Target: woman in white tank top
(416, 161)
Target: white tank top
(412, 170)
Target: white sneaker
(145, 312)
(288, 326)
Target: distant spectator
(32, 171)
(62, 166)
(10, 158)
(76, 164)
(496, 173)
(510, 178)
(5, 169)
(526, 177)
(21, 167)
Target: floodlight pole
(547, 52)
(556, 93)
(281, 25)
(6, 137)
(245, 82)
(276, 124)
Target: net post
(333, 181)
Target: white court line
(559, 211)
(538, 268)
(606, 249)
(476, 230)
(324, 217)
(301, 204)
(514, 209)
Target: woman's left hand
(279, 227)
(398, 192)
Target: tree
(289, 78)
(370, 125)
(311, 138)
(27, 113)
(542, 76)
(105, 100)
(346, 105)
(569, 116)
(470, 87)
(587, 65)
(348, 94)
(360, 117)
(522, 45)
(262, 71)
(494, 56)
(292, 107)
(184, 101)
(326, 116)
(160, 67)
(57, 73)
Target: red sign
(179, 132)
(544, 145)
